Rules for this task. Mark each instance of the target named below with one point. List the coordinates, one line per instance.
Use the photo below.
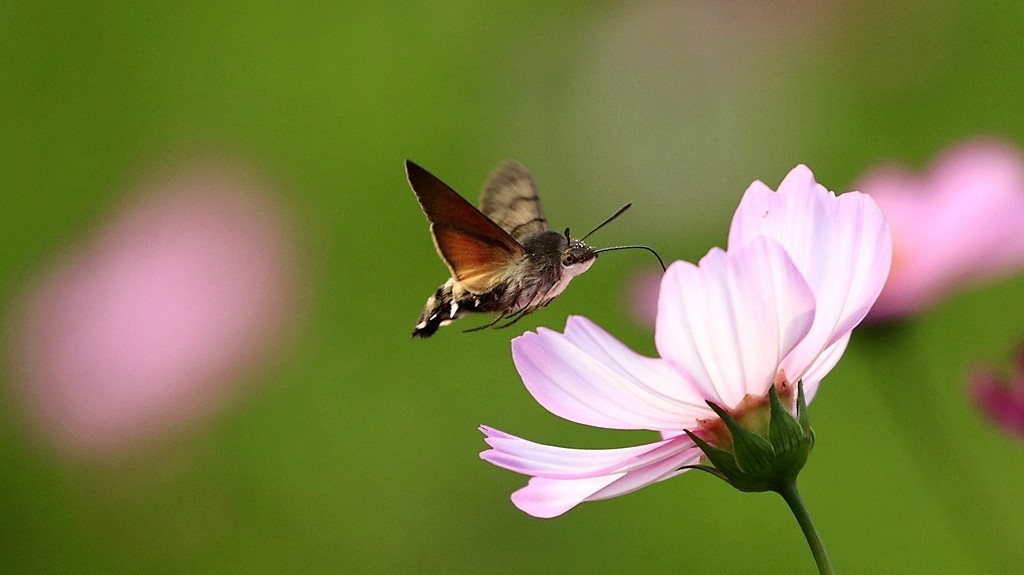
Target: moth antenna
(607, 221)
(611, 249)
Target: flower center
(753, 413)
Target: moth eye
(568, 260)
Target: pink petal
(640, 296)
(1001, 401)
(822, 366)
(656, 379)
(146, 328)
(589, 377)
(971, 203)
(529, 458)
(644, 476)
(918, 271)
(980, 188)
(841, 246)
(544, 497)
(729, 321)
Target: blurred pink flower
(640, 296)
(148, 327)
(1001, 399)
(961, 223)
(802, 269)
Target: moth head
(577, 257)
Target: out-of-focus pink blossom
(960, 223)
(1001, 399)
(146, 327)
(640, 296)
(802, 269)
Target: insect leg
(501, 316)
(518, 316)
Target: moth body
(532, 282)
(502, 257)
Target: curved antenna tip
(607, 220)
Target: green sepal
(751, 451)
(801, 406)
(784, 431)
(802, 415)
(723, 460)
(708, 469)
(757, 463)
(791, 439)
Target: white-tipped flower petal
(841, 246)
(545, 497)
(822, 366)
(730, 321)
(530, 458)
(589, 377)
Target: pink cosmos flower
(1000, 399)
(148, 326)
(802, 269)
(961, 223)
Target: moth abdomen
(438, 311)
(447, 304)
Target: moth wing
(510, 200)
(473, 247)
(477, 262)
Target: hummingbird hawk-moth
(502, 257)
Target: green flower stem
(796, 505)
(902, 379)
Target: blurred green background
(356, 451)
